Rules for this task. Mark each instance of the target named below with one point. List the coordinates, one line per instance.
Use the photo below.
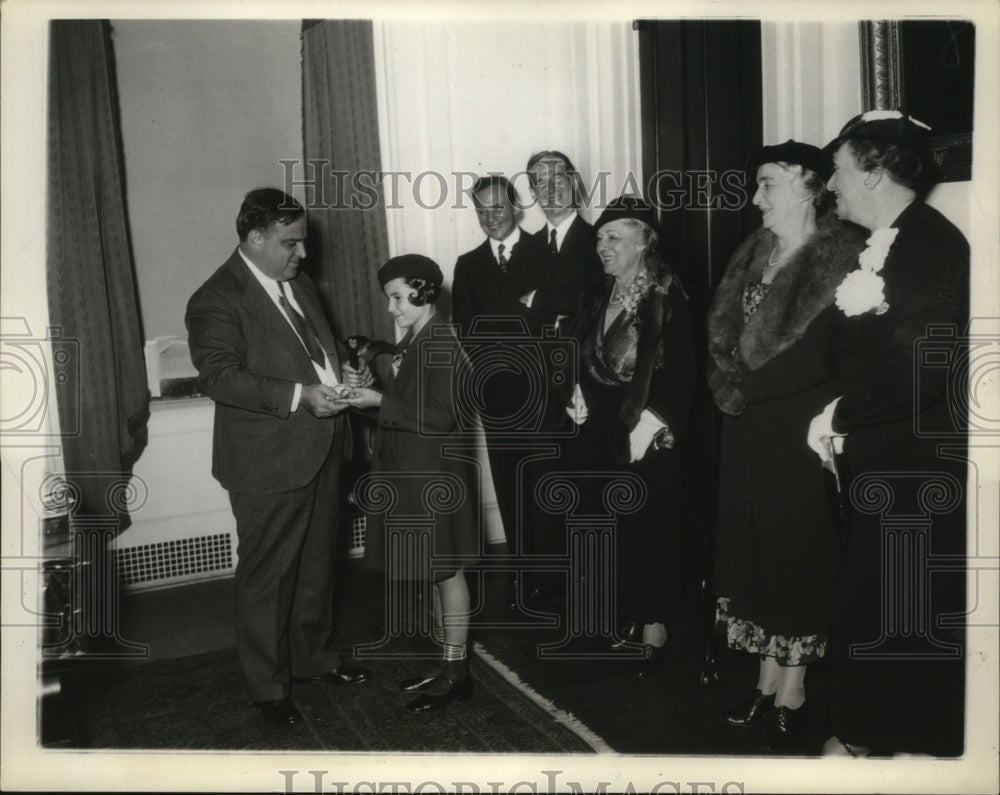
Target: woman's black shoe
(784, 725)
(654, 658)
(440, 692)
(417, 682)
(751, 711)
(630, 632)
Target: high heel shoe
(654, 658)
(418, 682)
(784, 725)
(751, 711)
(630, 633)
(440, 692)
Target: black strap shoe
(751, 711)
(279, 712)
(439, 693)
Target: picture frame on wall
(925, 67)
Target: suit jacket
(249, 360)
(565, 277)
(480, 288)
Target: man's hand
(821, 434)
(324, 401)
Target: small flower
(860, 291)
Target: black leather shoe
(279, 712)
(751, 711)
(343, 674)
(630, 632)
(654, 658)
(417, 682)
(440, 692)
(784, 726)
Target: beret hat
(409, 266)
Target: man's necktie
(301, 325)
(501, 259)
(553, 248)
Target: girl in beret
(422, 522)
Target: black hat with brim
(627, 206)
(884, 126)
(410, 266)
(791, 152)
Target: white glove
(642, 434)
(821, 432)
(577, 408)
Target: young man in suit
(569, 242)
(496, 329)
(265, 354)
(490, 279)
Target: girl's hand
(363, 397)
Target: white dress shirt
(326, 373)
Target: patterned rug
(200, 703)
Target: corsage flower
(863, 289)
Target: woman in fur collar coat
(636, 375)
(769, 372)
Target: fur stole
(803, 288)
(652, 312)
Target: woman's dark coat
(776, 545)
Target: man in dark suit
(490, 279)
(496, 331)
(265, 354)
(570, 244)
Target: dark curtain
(103, 404)
(701, 88)
(348, 240)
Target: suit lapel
(260, 305)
